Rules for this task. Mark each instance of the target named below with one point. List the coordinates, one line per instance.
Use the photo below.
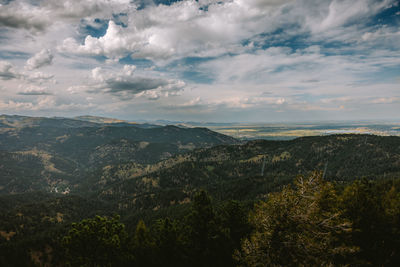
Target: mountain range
(56, 153)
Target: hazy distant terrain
(287, 131)
(274, 131)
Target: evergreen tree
(96, 242)
(205, 238)
(298, 227)
(169, 243)
(142, 246)
(234, 220)
(374, 209)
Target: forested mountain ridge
(59, 151)
(248, 171)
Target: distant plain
(289, 131)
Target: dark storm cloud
(135, 85)
(126, 84)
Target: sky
(205, 60)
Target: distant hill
(114, 122)
(14, 121)
(99, 119)
(61, 151)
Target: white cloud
(77, 9)
(23, 14)
(7, 71)
(76, 89)
(182, 29)
(40, 59)
(116, 43)
(386, 100)
(38, 78)
(44, 104)
(19, 14)
(230, 102)
(35, 91)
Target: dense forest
(311, 222)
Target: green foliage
(96, 242)
(233, 215)
(312, 223)
(299, 226)
(142, 246)
(202, 238)
(374, 209)
(207, 239)
(233, 171)
(169, 242)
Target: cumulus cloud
(186, 28)
(43, 103)
(35, 91)
(115, 43)
(19, 15)
(7, 71)
(181, 29)
(40, 15)
(127, 84)
(40, 103)
(78, 9)
(39, 77)
(40, 59)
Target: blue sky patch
(139, 62)
(97, 29)
(14, 55)
(197, 77)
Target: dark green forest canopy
(310, 223)
(249, 171)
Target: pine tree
(99, 241)
(298, 227)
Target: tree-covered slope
(61, 151)
(248, 171)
